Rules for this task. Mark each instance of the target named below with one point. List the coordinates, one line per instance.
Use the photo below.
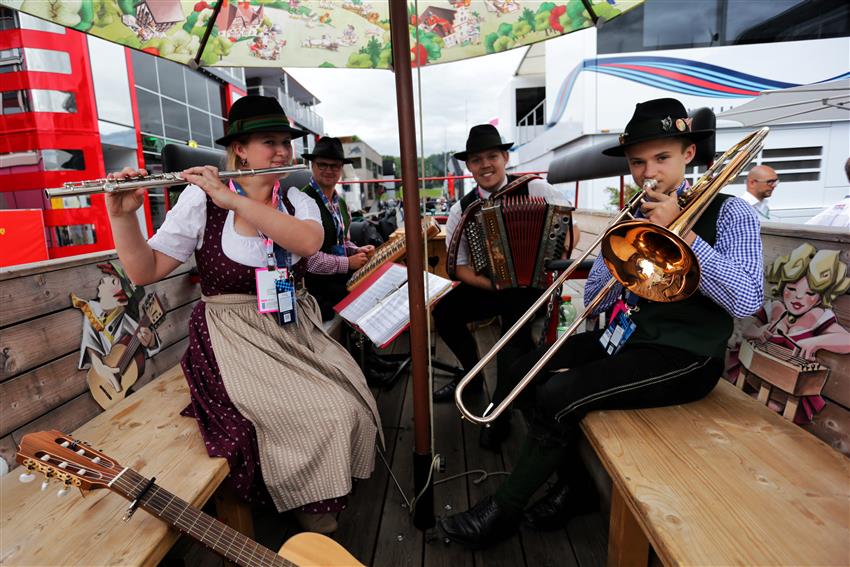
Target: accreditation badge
(266, 290)
(285, 292)
(619, 330)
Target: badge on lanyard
(276, 286)
(620, 328)
(285, 288)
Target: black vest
(327, 219)
(696, 324)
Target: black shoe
(491, 438)
(447, 392)
(558, 505)
(481, 526)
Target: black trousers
(466, 304)
(328, 290)
(582, 377)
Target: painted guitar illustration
(109, 379)
(77, 465)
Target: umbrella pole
(423, 517)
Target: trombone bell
(651, 261)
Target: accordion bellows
(513, 239)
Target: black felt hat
(655, 119)
(482, 137)
(253, 114)
(328, 148)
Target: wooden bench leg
(791, 407)
(627, 544)
(231, 510)
(764, 392)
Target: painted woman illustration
(806, 283)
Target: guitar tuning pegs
(44, 485)
(63, 491)
(26, 477)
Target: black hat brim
(296, 133)
(463, 155)
(311, 157)
(620, 149)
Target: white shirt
(760, 206)
(836, 215)
(183, 230)
(536, 188)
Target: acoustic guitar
(109, 379)
(75, 464)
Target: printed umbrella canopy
(319, 33)
(348, 33)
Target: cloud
(455, 97)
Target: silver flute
(77, 188)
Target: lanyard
(276, 256)
(336, 216)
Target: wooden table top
(725, 481)
(144, 432)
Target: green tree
(528, 17)
(505, 29)
(489, 40)
(541, 21)
(503, 43)
(545, 7)
(630, 190)
(373, 50)
(359, 61)
(521, 29)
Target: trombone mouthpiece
(649, 184)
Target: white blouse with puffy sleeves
(183, 230)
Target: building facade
(367, 168)
(579, 90)
(75, 107)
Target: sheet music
(390, 281)
(390, 315)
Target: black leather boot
(558, 505)
(481, 526)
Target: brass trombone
(651, 261)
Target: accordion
(512, 240)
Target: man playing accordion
(476, 298)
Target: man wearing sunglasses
(761, 181)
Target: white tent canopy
(819, 102)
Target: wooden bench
(41, 388)
(143, 432)
(722, 481)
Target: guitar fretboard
(219, 537)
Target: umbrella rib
(589, 8)
(207, 32)
(792, 115)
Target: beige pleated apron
(315, 418)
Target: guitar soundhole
(102, 389)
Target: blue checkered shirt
(731, 270)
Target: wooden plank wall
(832, 424)
(40, 386)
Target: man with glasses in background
(330, 268)
(761, 181)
